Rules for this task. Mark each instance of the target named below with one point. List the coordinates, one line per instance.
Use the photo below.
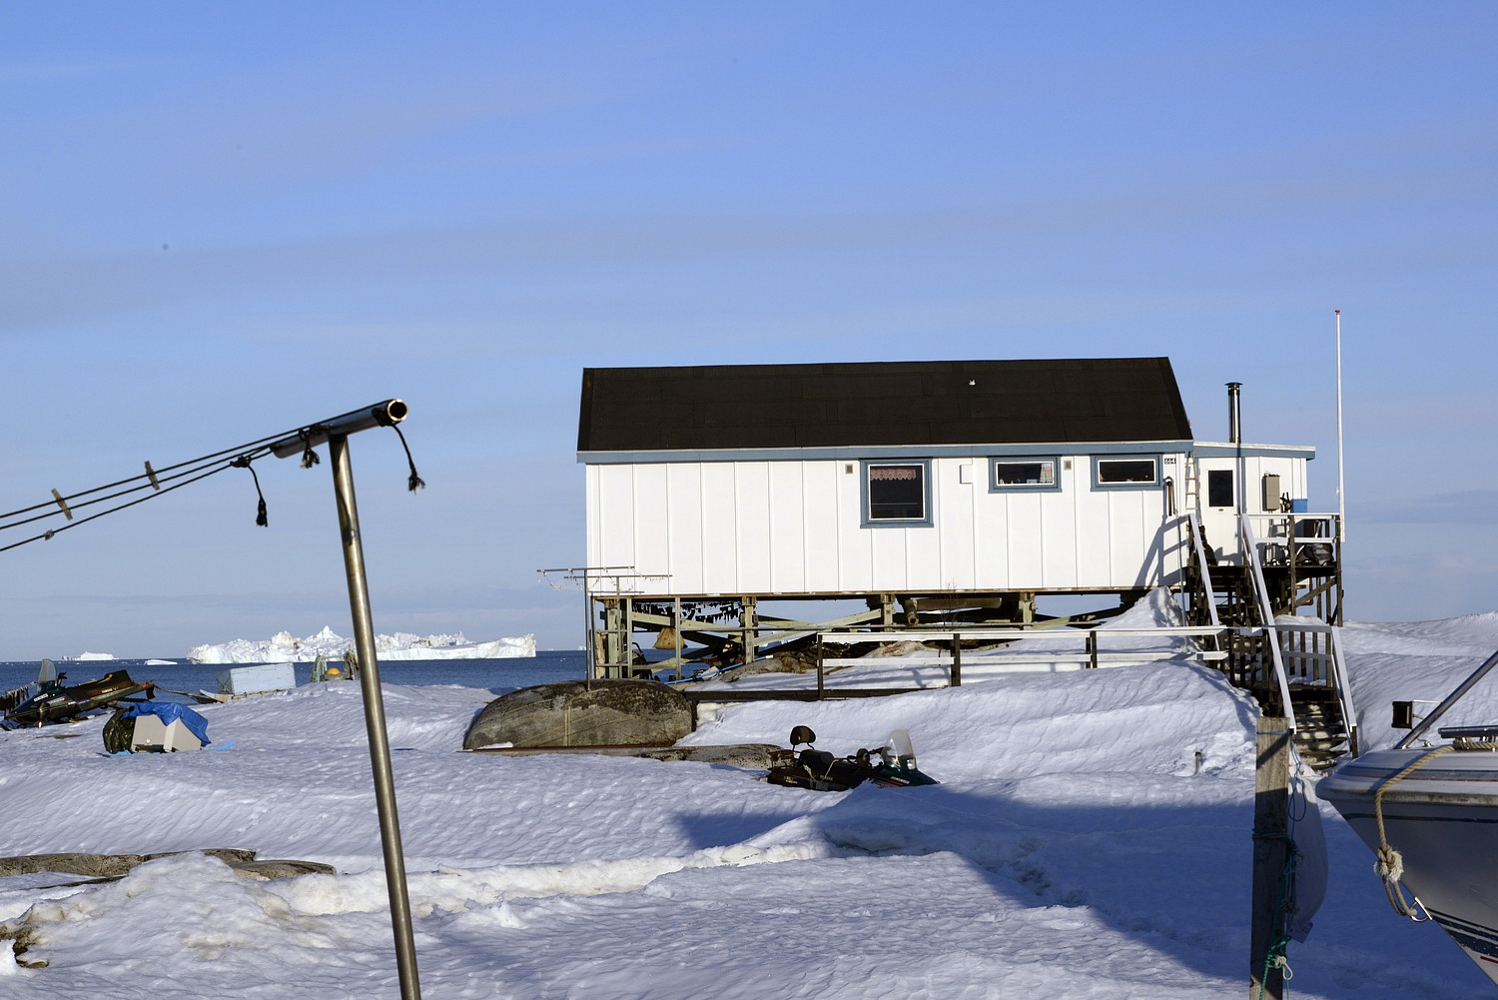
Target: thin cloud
(1465, 507)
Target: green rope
(1275, 956)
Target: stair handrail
(1344, 692)
(1266, 615)
(1334, 660)
(1197, 544)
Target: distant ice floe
(284, 647)
(95, 656)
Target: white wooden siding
(796, 527)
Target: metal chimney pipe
(1235, 425)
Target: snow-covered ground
(1091, 838)
(284, 647)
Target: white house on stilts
(931, 493)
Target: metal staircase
(1292, 664)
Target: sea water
(499, 676)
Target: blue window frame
(897, 493)
(1024, 473)
(1126, 472)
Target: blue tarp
(168, 712)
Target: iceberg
(283, 647)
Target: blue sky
(219, 221)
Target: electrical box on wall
(1271, 501)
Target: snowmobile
(820, 771)
(53, 701)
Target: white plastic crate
(256, 679)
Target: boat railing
(1451, 699)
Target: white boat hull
(1443, 820)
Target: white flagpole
(1341, 482)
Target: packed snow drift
(283, 647)
(1091, 837)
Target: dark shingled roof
(880, 403)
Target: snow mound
(1419, 661)
(283, 647)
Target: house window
(1127, 472)
(1220, 492)
(896, 492)
(1025, 474)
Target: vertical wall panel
(591, 506)
(652, 513)
(787, 528)
(891, 569)
(991, 541)
(1126, 522)
(1025, 550)
(1058, 532)
(1093, 555)
(684, 493)
(616, 515)
(719, 536)
(752, 501)
(956, 510)
(823, 570)
(855, 543)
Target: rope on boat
(1390, 863)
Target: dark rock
(263, 870)
(576, 713)
(108, 867)
(754, 756)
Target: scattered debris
(751, 756)
(155, 727)
(55, 702)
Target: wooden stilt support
(956, 660)
(1271, 835)
(821, 676)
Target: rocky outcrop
(580, 713)
(108, 867)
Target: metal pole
(374, 718)
(1341, 495)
